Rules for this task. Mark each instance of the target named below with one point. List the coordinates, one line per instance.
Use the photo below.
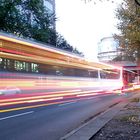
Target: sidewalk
(124, 126)
(120, 122)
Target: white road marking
(16, 115)
(66, 103)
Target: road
(52, 122)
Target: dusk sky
(84, 24)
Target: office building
(50, 6)
(108, 49)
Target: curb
(89, 129)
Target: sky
(84, 24)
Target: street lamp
(138, 2)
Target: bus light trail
(28, 66)
(38, 98)
(43, 105)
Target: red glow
(14, 52)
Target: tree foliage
(30, 19)
(27, 18)
(62, 43)
(129, 24)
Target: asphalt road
(53, 121)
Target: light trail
(49, 94)
(57, 96)
(34, 106)
(41, 105)
(30, 101)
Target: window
(18, 65)
(93, 73)
(34, 67)
(110, 74)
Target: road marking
(67, 103)
(33, 106)
(16, 115)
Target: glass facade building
(108, 49)
(50, 6)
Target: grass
(131, 119)
(135, 100)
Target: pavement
(95, 124)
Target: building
(50, 6)
(108, 49)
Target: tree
(124, 53)
(30, 19)
(63, 44)
(27, 18)
(129, 24)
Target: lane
(28, 97)
(42, 103)
(25, 101)
(67, 103)
(54, 121)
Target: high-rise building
(108, 49)
(50, 6)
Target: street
(53, 121)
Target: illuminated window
(27, 67)
(18, 65)
(1, 63)
(93, 73)
(6, 63)
(0, 60)
(34, 67)
(110, 74)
